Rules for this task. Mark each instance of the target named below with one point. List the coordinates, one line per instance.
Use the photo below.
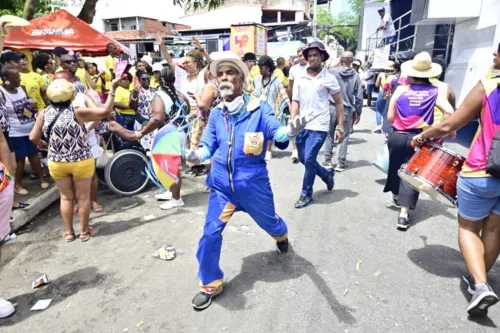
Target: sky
(338, 6)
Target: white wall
(454, 8)
(371, 20)
(473, 46)
(224, 17)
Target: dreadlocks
(167, 80)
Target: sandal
(20, 205)
(96, 207)
(69, 237)
(207, 190)
(21, 191)
(89, 234)
(166, 252)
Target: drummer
(410, 110)
(478, 191)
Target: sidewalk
(38, 199)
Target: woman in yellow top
(33, 83)
(102, 80)
(380, 105)
(122, 101)
(155, 79)
(45, 64)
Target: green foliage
(197, 4)
(347, 36)
(16, 7)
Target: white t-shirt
(21, 116)
(313, 94)
(297, 71)
(390, 30)
(183, 85)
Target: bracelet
(340, 130)
(134, 99)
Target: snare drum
(434, 170)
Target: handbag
(105, 154)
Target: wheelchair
(124, 173)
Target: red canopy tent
(60, 29)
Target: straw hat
(227, 58)
(422, 67)
(60, 90)
(389, 66)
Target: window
(133, 27)
(114, 26)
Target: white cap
(157, 67)
(148, 59)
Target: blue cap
(381, 9)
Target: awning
(60, 29)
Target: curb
(37, 205)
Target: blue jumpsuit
(237, 182)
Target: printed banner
(242, 40)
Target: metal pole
(315, 31)
(448, 45)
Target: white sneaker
(6, 308)
(378, 129)
(269, 156)
(165, 196)
(295, 156)
(172, 204)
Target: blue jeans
(379, 107)
(478, 197)
(309, 144)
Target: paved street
(407, 281)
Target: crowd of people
(230, 112)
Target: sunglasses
(69, 62)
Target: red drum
(434, 170)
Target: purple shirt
(415, 107)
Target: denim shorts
(478, 197)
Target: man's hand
(159, 38)
(357, 118)
(43, 146)
(340, 136)
(452, 136)
(295, 126)
(194, 156)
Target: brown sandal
(71, 237)
(89, 234)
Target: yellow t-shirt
(110, 63)
(47, 78)
(80, 73)
(153, 83)
(98, 83)
(279, 73)
(255, 71)
(32, 82)
(123, 96)
(29, 57)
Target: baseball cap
(11, 56)
(59, 51)
(381, 9)
(157, 67)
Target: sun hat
(316, 45)
(357, 62)
(227, 58)
(60, 90)
(148, 60)
(422, 67)
(157, 67)
(389, 66)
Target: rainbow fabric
(475, 165)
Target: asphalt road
(407, 281)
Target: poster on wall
(261, 41)
(242, 39)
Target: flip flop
(166, 252)
(96, 207)
(89, 234)
(22, 205)
(207, 190)
(21, 191)
(69, 239)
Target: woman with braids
(169, 108)
(209, 99)
(268, 87)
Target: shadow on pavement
(273, 267)
(446, 262)
(429, 208)
(327, 197)
(356, 141)
(116, 227)
(358, 164)
(58, 290)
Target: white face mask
(235, 105)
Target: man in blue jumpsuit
(235, 139)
